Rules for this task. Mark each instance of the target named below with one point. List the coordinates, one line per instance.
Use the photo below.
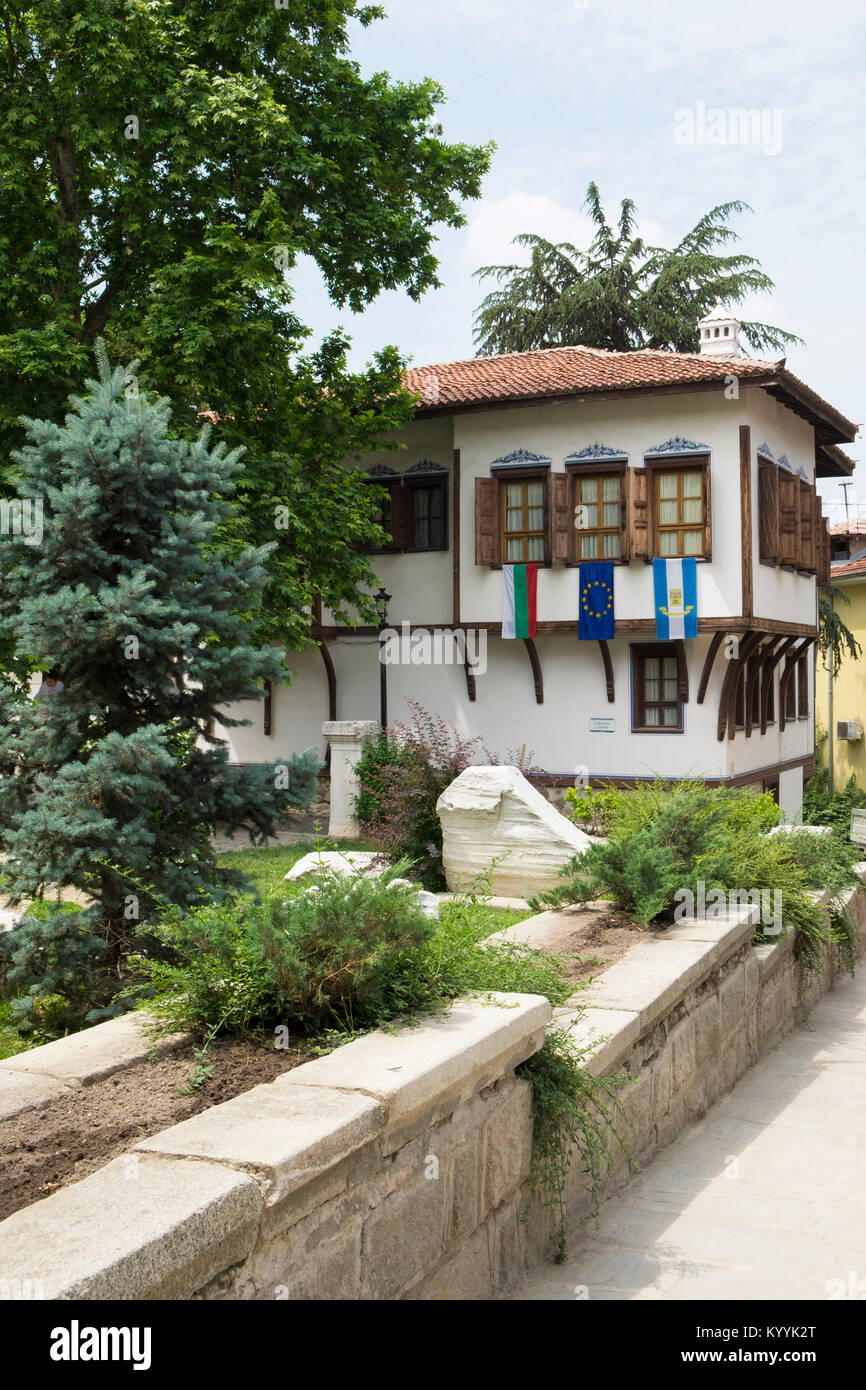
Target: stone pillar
(345, 737)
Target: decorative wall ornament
(597, 451)
(425, 466)
(766, 452)
(801, 472)
(677, 445)
(783, 463)
(381, 470)
(519, 458)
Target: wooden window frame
(579, 472)
(423, 482)
(639, 652)
(697, 463)
(523, 475)
(768, 677)
(802, 679)
(791, 697)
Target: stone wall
(396, 1166)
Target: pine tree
(621, 294)
(113, 786)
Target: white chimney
(720, 333)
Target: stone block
(490, 812)
(284, 1135)
(506, 1146)
(610, 1033)
(22, 1091)
(141, 1228)
(653, 977)
(707, 1020)
(463, 1277)
(682, 1045)
(94, 1052)
(732, 1001)
(437, 1062)
(402, 1237)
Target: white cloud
(494, 223)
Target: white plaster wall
(298, 712)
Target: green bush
(666, 840)
(320, 958)
(354, 954)
(820, 808)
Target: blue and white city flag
(676, 597)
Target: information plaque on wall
(602, 726)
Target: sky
(624, 93)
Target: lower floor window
(657, 706)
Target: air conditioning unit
(850, 729)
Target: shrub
(401, 774)
(664, 839)
(320, 958)
(822, 808)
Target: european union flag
(596, 622)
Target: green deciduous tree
(113, 785)
(165, 164)
(620, 293)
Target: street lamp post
(382, 599)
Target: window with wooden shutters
(657, 705)
(487, 531)
(768, 511)
(598, 516)
(789, 518)
(807, 528)
(523, 520)
(680, 510)
(802, 687)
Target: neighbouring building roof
(447, 388)
(848, 569)
(855, 526)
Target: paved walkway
(765, 1198)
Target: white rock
(342, 863)
(825, 830)
(490, 812)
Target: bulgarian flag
(519, 583)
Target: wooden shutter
(807, 528)
(708, 530)
(561, 519)
(822, 544)
(638, 516)
(403, 517)
(789, 518)
(768, 511)
(487, 538)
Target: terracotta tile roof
(853, 527)
(847, 569)
(446, 387)
(569, 371)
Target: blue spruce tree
(112, 780)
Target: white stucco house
(710, 454)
